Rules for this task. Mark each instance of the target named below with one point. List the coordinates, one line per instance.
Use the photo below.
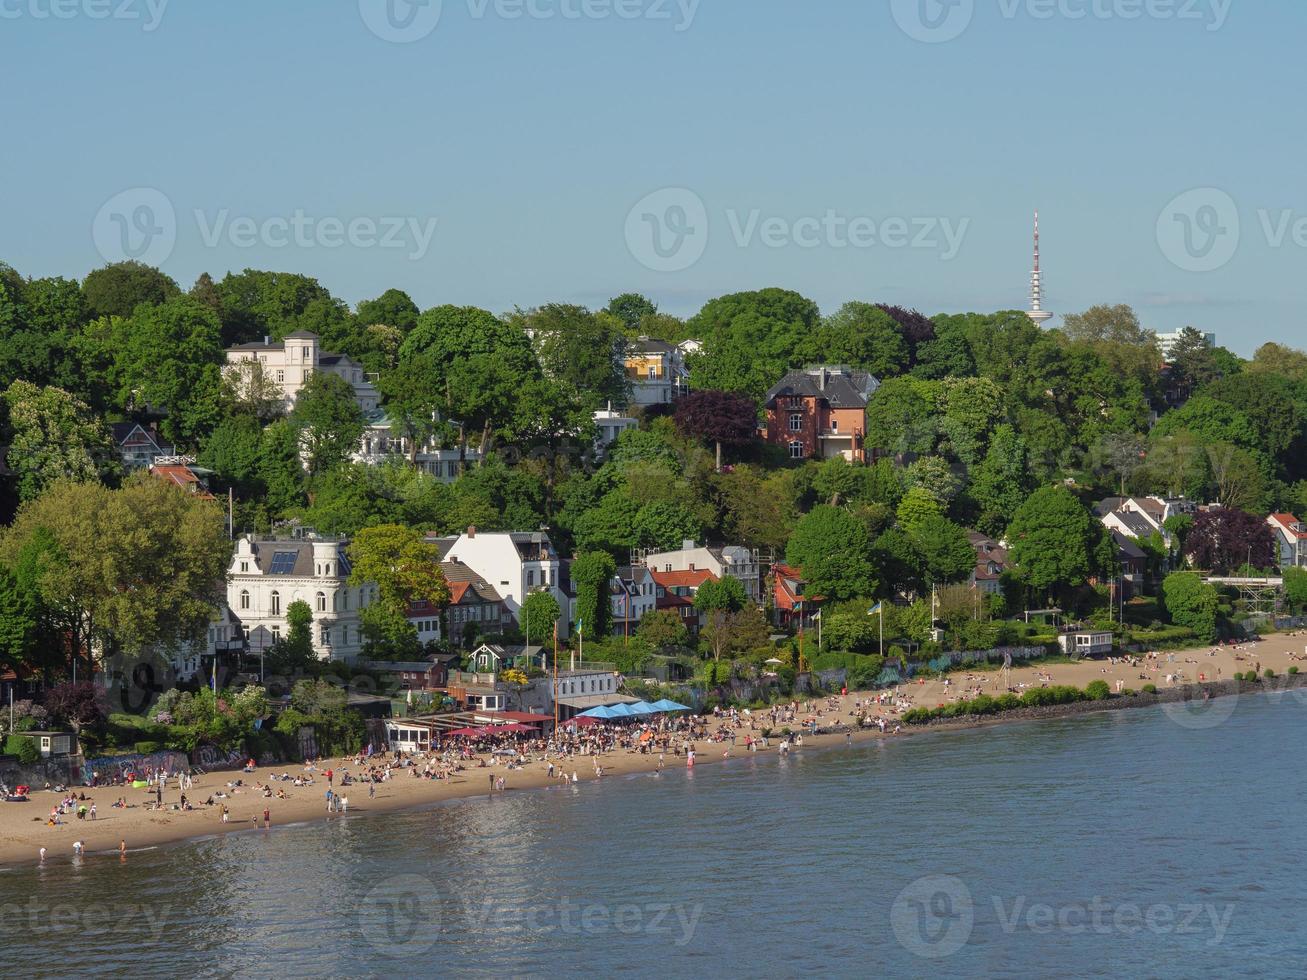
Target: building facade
(733, 560)
(514, 564)
(820, 412)
(656, 372)
(291, 361)
(1290, 540)
(268, 574)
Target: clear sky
(822, 139)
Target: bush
(1098, 691)
(1293, 670)
(1268, 673)
(24, 748)
(148, 748)
(1150, 689)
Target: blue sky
(530, 139)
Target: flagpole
(555, 678)
(881, 606)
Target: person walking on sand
(43, 855)
(344, 804)
(122, 848)
(267, 818)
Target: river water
(1136, 843)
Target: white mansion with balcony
(268, 574)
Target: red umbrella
(583, 721)
(513, 727)
(466, 732)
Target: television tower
(1037, 312)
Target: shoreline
(23, 830)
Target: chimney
(267, 340)
(472, 531)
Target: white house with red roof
(1290, 538)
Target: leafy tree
(917, 506)
(232, 452)
(835, 480)
(664, 525)
(1280, 359)
(402, 565)
(280, 471)
(1237, 476)
(863, 336)
(1295, 587)
(169, 358)
(917, 329)
(1177, 464)
(256, 303)
(293, 655)
(1003, 481)
(933, 475)
(580, 348)
(1193, 362)
(946, 552)
(758, 509)
(720, 417)
(1225, 540)
(136, 568)
(972, 409)
(591, 573)
(392, 308)
(631, 308)
(78, 705)
(663, 629)
(539, 614)
(902, 416)
(832, 549)
(329, 421)
(750, 339)
(725, 594)
(120, 287)
(19, 611)
(727, 633)
(1274, 409)
(609, 526)
(250, 389)
(53, 435)
(1192, 603)
(1052, 539)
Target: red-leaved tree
(723, 417)
(1223, 541)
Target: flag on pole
(215, 675)
(874, 609)
(816, 616)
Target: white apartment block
(733, 560)
(268, 574)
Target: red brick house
(820, 412)
(675, 591)
(788, 594)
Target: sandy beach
(23, 829)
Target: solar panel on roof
(283, 563)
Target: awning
(586, 701)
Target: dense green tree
(1192, 603)
(580, 348)
(393, 308)
(631, 309)
(539, 614)
(902, 416)
(721, 418)
(664, 525)
(1003, 481)
(751, 339)
(329, 421)
(663, 629)
(1052, 539)
(120, 287)
(860, 335)
(725, 594)
(832, 548)
(53, 436)
(257, 304)
(591, 573)
(946, 552)
(402, 565)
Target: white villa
(268, 574)
(290, 362)
(733, 560)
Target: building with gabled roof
(138, 445)
(1290, 539)
(290, 362)
(820, 412)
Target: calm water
(1114, 845)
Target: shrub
(1098, 691)
(1268, 673)
(1150, 688)
(147, 748)
(1293, 670)
(24, 748)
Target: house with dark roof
(820, 412)
(675, 591)
(267, 574)
(290, 362)
(991, 563)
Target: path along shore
(23, 827)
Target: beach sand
(23, 829)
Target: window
(274, 603)
(834, 425)
(322, 602)
(653, 372)
(530, 579)
(245, 566)
(796, 421)
(276, 633)
(281, 376)
(326, 636)
(245, 599)
(796, 450)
